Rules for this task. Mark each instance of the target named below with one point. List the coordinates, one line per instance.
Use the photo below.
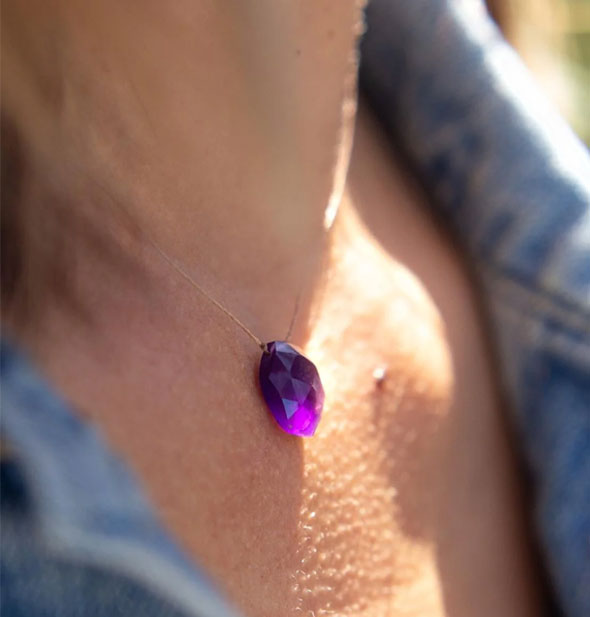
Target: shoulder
(514, 183)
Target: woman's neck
(222, 134)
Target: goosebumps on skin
(223, 130)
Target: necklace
(289, 382)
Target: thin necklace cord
(188, 277)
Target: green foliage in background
(576, 47)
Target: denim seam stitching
(544, 303)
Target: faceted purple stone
(291, 388)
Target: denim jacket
(79, 538)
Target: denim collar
(86, 504)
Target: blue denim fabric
(77, 535)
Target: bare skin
(405, 501)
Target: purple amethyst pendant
(291, 388)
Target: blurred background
(553, 38)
